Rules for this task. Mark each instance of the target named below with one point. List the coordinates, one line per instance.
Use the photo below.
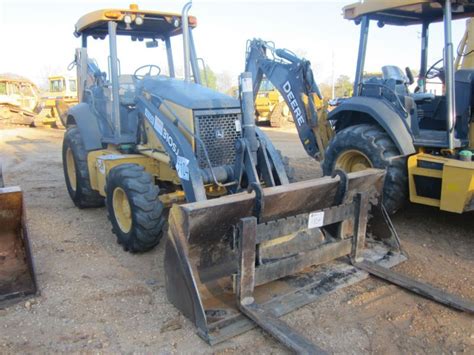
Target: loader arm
(294, 79)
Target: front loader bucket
(219, 257)
(17, 277)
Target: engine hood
(188, 95)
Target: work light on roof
(127, 19)
(139, 20)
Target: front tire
(76, 171)
(366, 146)
(133, 207)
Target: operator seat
(127, 90)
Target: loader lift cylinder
(248, 113)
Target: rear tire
(76, 171)
(133, 207)
(363, 146)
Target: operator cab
(101, 90)
(426, 115)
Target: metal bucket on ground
(17, 276)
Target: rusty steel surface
(17, 279)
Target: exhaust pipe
(186, 49)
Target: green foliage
(343, 86)
(211, 81)
(326, 90)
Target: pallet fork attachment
(228, 270)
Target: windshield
(26, 90)
(132, 54)
(72, 85)
(56, 85)
(266, 85)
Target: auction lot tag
(315, 220)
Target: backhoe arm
(293, 78)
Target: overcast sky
(36, 36)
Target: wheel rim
(122, 210)
(353, 160)
(71, 169)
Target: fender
(381, 113)
(82, 116)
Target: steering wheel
(434, 71)
(149, 73)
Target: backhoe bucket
(17, 277)
(237, 258)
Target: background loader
(242, 244)
(19, 101)
(61, 95)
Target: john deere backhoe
(424, 141)
(242, 244)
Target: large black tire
(78, 186)
(144, 229)
(378, 147)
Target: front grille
(218, 132)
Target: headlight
(176, 22)
(139, 20)
(127, 19)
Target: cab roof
(15, 79)
(406, 12)
(155, 24)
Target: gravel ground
(97, 298)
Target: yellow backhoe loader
(424, 141)
(243, 244)
(62, 94)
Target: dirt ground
(97, 298)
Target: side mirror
(410, 77)
(152, 44)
